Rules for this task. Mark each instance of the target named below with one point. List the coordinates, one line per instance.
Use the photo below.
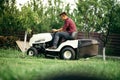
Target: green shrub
(8, 41)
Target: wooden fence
(113, 46)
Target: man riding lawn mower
(69, 48)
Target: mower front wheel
(32, 51)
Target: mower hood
(40, 38)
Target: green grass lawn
(15, 65)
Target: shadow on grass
(74, 77)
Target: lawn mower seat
(73, 36)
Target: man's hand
(57, 30)
(54, 30)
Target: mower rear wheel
(68, 53)
(32, 51)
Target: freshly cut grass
(15, 65)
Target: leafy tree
(89, 15)
(115, 19)
(9, 21)
(48, 14)
(100, 16)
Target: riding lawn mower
(67, 49)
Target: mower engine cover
(40, 38)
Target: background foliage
(89, 15)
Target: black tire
(67, 53)
(32, 51)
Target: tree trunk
(104, 57)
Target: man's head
(63, 15)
